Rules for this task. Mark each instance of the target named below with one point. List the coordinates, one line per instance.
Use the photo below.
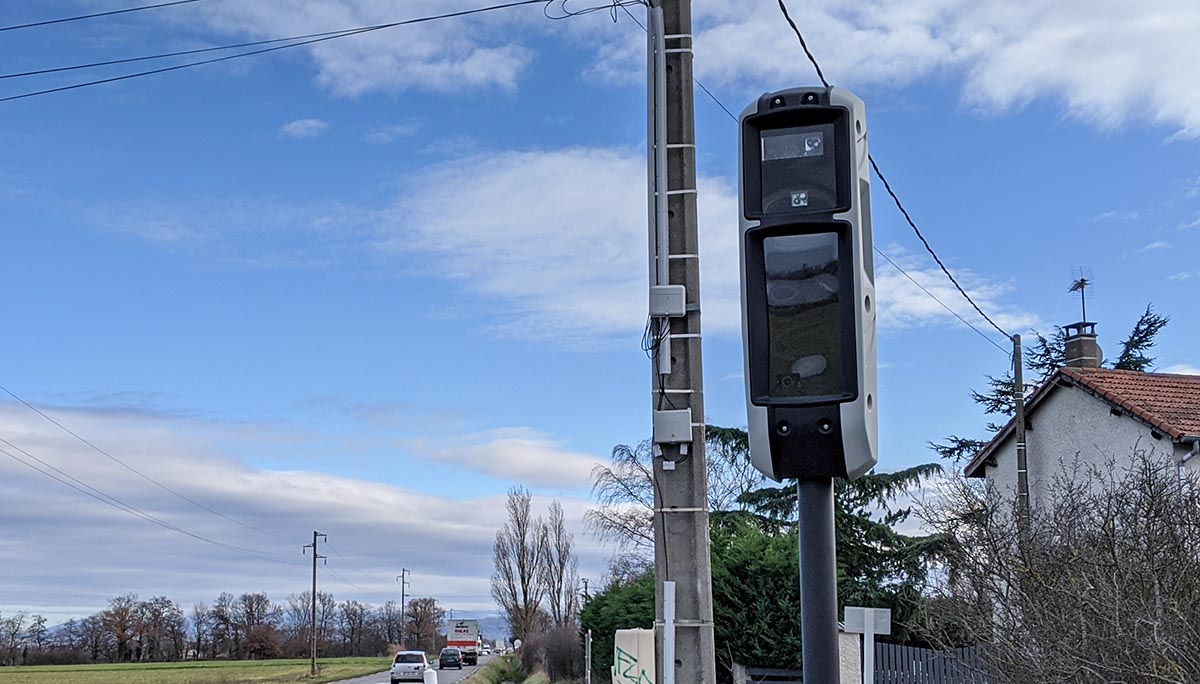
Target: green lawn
(207, 672)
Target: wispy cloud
(513, 455)
(56, 534)
(466, 54)
(904, 304)
(303, 129)
(1156, 245)
(385, 135)
(1115, 217)
(1181, 369)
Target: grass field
(205, 672)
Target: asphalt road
(444, 676)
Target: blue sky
(366, 286)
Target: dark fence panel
(896, 664)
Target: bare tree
(120, 620)
(624, 489)
(423, 618)
(389, 623)
(518, 557)
(559, 571)
(1103, 587)
(201, 627)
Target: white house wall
(1069, 426)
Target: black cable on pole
(137, 472)
(97, 14)
(804, 45)
(165, 55)
(352, 565)
(887, 186)
(934, 297)
(344, 34)
(109, 500)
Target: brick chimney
(1082, 350)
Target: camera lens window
(804, 325)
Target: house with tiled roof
(1095, 416)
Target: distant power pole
(402, 579)
(681, 530)
(313, 657)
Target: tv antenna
(1082, 280)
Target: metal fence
(896, 664)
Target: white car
(409, 665)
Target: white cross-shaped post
(868, 622)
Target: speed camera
(808, 285)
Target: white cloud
(1112, 215)
(1181, 369)
(1181, 276)
(558, 237)
(514, 455)
(465, 53)
(1157, 244)
(303, 128)
(384, 135)
(903, 303)
(1101, 62)
(66, 554)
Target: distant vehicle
(409, 665)
(486, 650)
(464, 635)
(450, 657)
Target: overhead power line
(49, 470)
(887, 186)
(733, 117)
(354, 567)
(321, 38)
(97, 14)
(139, 473)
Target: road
(444, 676)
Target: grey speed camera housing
(808, 284)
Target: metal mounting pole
(818, 581)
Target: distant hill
(491, 625)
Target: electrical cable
(733, 117)
(180, 53)
(142, 475)
(342, 34)
(887, 186)
(338, 575)
(352, 565)
(934, 297)
(97, 14)
(107, 499)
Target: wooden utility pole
(681, 530)
(312, 669)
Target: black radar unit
(808, 285)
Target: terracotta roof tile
(1169, 402)
(1166, 402)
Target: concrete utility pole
(681, 541)
(312, 668)
(402, 579)
(1019, 434)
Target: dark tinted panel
(799, 169)
(804, 328)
